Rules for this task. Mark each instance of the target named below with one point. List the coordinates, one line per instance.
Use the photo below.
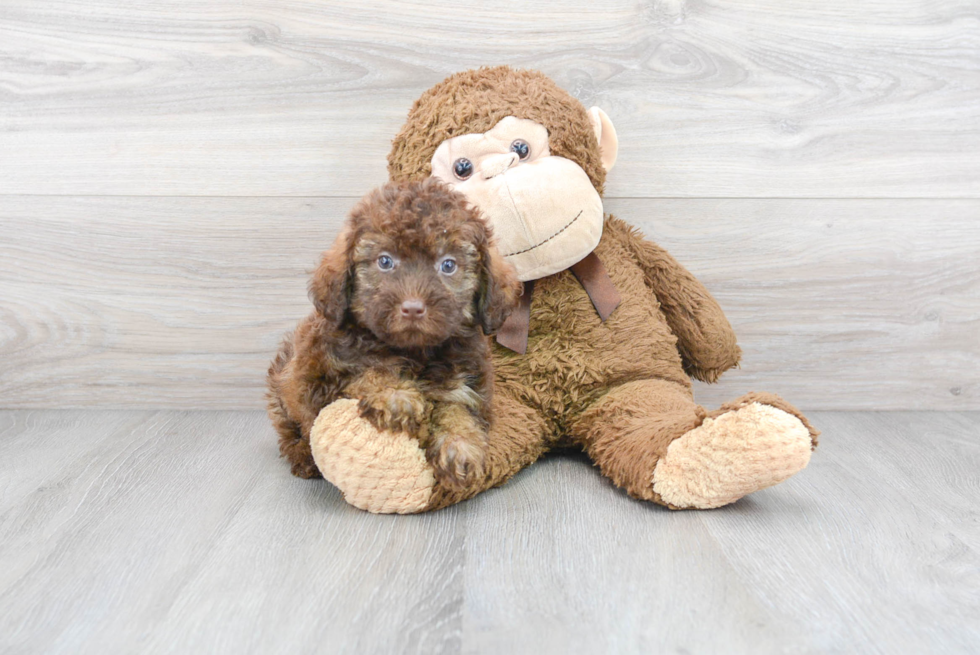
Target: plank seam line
(345, 197)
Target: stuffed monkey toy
(610, 329)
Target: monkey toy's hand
(378, 471)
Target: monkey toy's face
(544, 210)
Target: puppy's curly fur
(402, 303)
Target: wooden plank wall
(170, 170)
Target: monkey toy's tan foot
(381, 472)
(747, 446)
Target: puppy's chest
(438, 372)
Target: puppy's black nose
(413, 309)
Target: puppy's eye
(521, 148)
(462, 168)
(447, 266)
(386, 263)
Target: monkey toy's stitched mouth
(541, 243)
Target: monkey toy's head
(523, 151)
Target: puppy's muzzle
(412, 309)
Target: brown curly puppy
(402, 303)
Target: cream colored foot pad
(381, 472)
(727, 457)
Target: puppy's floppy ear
(499, 290)
(333, 280)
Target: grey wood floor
(167, 531)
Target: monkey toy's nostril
(495, 165)
(413, 309)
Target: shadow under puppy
(402, 303)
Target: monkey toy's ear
(605, 134)
(332, 282)
(499, 291)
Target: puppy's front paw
(396, 410)
(458, 462)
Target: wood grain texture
(177, 532)
(822, 563)
(767, 98)
(180, 302)
(141, 535)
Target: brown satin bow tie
(593, 277)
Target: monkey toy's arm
(705, 339)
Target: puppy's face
(419, 267)
(412, 294)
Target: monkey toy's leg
(650, 438)
(387, 472)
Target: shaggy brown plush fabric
(402, 304)
(475, 101)
(619, 388)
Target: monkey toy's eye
(521, 148)
(447, 266)
(385, 262)
(463, 168)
